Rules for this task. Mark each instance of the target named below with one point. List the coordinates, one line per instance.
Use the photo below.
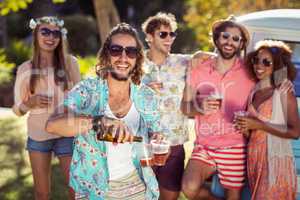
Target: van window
(295, 46)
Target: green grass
(16, 178)
(15, 173)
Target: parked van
(277, 24)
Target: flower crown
(49, 20)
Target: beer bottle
(109, 138)
(105, 134)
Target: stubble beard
(227, 56)
(119, 77)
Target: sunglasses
(117, 50)
(46, 32)
(265, 62)
(164, 34)
(227, 35)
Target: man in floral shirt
(165, 73)
(102, 170)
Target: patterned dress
(258, 174)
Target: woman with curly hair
(272, 122)
(40, 86)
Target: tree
(105, 10)
(202, 13)
(7, 6)
(107, 16)
(3, 32)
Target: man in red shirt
(210, 97)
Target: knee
(233, 195)
(233, 198)
(189, 189)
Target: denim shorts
(60, 146)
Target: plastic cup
(160, 151)
(217, 97)
(145, 154)
(240, 113)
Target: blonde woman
(41, 84)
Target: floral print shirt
(172, 74)
(89, 171)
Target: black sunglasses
(164, 34)
(117, 50)
(46, 32)
(227, 35)
(265, 62)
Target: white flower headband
(49, 20)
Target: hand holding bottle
(113, 130)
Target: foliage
(5, 69)
(87, 66)
(18, 52)
(20, 29)
(181, 44)
(82, 34)
(7, 6)
(201, 13)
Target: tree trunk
(3, 32)
(107, 17)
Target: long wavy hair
(104, 56)
(61, 74)
(281, 56)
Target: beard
(225, 55)
(120, 77)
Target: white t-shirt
(119, 157)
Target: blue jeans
(60, 146)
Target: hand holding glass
(160, 151)
(216, 97)
(144, 154)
